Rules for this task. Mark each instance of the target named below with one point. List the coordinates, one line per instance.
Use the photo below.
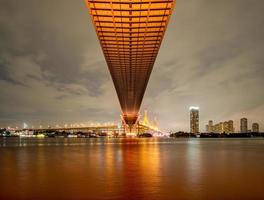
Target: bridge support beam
(130, 124)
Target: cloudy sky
(52, 68)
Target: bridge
(130, 33)
(114, 129)
(144, 126)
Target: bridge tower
(145, 119)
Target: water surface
(58, 168)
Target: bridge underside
(130, 33)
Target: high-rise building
(194, 120)
(231, 126)
(221, 127)
(255, 127)
(207, 128)
(243, 125)
(225, 127)
(217, 128)
(210, 126)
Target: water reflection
(131, 169)
(141, 169)
(193, 163)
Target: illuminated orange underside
(130, 33)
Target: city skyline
(50, 73)
(226, 126)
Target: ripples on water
(79, 168)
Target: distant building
(231, 126)
(218, 128)
(221, 127)
(194, 120)
(255, 128)
(210, 126)
(207, 128)
(243, 125)
(225, 127)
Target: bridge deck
(130, 33)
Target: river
(150, 168)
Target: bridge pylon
(131, 129)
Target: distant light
(194, 108)
(131, 134)
(25, 126)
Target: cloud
(209, 58)
(53, 52)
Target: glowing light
(25, 126)
(194, 108)
(131, 134)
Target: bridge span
(130, 33)
(97, 130)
